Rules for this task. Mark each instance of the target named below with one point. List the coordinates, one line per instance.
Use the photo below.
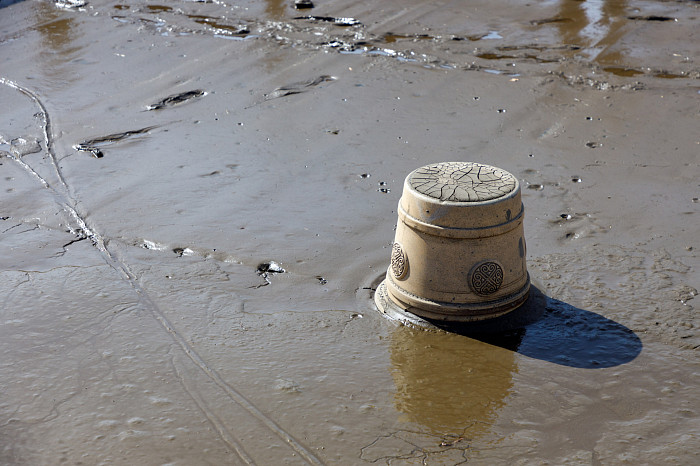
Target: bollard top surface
(461, 195)
(462, 182)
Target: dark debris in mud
(97, 153)
(176, 99)
(266, 270)
(651, 18)
(269, 268)
(303, 4)
(92, 145)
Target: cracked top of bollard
(462, 181)
(464, 196)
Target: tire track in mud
(213, 419)
(66, 201)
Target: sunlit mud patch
(653, 294)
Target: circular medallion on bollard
(486, 278)
(399, 262)
(461, 223)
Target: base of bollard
(520, 314)
(455, 312)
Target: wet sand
(156, 153)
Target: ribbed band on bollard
(459, 250)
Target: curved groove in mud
(119, 265)
(46, 127)
(29, 169)
(64, 200)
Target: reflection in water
(448, 383)
(593, 24)
(454, 382)
(58, 30)
(55, 27)
(275, 8)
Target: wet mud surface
(202, 294)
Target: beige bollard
(459, 249)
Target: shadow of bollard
(551, 330)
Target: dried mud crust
(649, 291)
(417, 448)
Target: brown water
(134, 324)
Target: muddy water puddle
(592, 33)
(202, 293)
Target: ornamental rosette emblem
(399, 261)
(486, 278)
